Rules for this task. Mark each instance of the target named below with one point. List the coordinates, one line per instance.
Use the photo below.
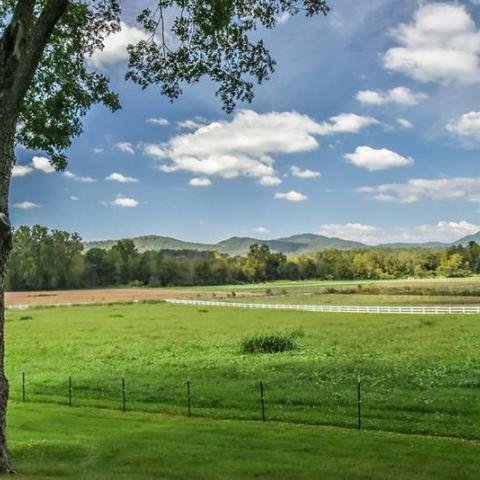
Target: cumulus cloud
(298, 172)
(377, 159)
(157, 121)
(25, 205)
(118, 177)
(43, 164)
(125, 147)
(125, 202)
(115, 46)
(399, 95)
(291, 196)
(21, 170)
(441, 44)
(76, 177)
(467, 188)
(74, 198)
(246, 145)
(261, 230)
(200, 182)
(442, 231)
(404, 123)
(467, 126)
(269, 181)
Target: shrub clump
(271, 342)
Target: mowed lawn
(419, 374)
(55, 442)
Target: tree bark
(6, 163)
(21, 48)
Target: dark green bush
(272, 342)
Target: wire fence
(406, 309)
(356, 405)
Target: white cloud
(403, 122)
(125, 202)
(157, 121)
(351, 231)
(441, 44)
(466, 188)
(442, 231)
(467, 126)
(261, 230)
(74, 198)
(200, 182)
(125, 147)
(298, 172)
(74, 176)
(190, 124)
(399, 95)
(115, 46)
(118, 177)
(245, 146)
(291, 196)
(345, 123)
(21, 170)
(25, 205)
(377, 159)
(43, 164)
(97, 150)
(269, 181)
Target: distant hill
(469, 238)
(152, 242)
(295, 244)
(304, 243)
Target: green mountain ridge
(295, 244)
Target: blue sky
(369, 129)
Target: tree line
(47, 260)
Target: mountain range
(295, 244)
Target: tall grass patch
(272, 342)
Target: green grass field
(420, 374)
(55, 442)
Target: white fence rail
(415, 309)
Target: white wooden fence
(416, 309)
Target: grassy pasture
(54, 442)
(309, 284)
(420, 374)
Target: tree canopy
(46, 45)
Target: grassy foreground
(420, 374)
(54, 442)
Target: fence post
(70, 391)
(189, 399)
(359, 404)
(123, 394)
(23, 386)
(262, 401)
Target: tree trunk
(6, 162)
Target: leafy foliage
(44, 260)
(210, 39)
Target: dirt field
(106, 295)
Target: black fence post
(23, 386)
(69, 391)
(262, 401)
(359, 404)
(123, 395)
(189, 399)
